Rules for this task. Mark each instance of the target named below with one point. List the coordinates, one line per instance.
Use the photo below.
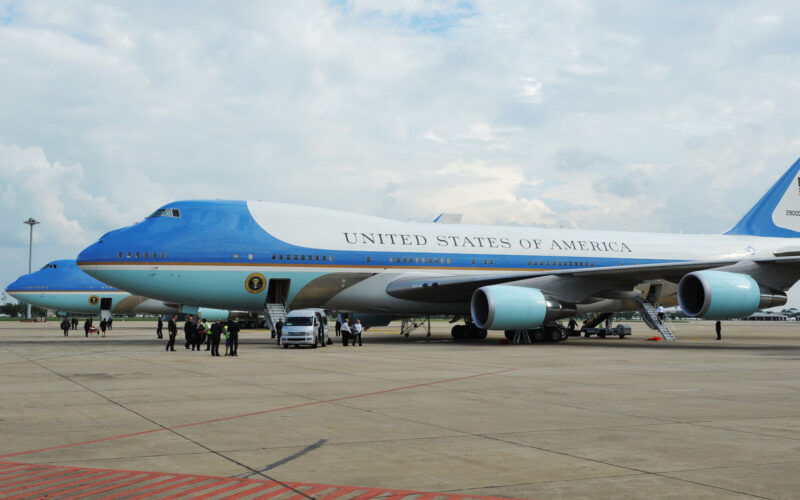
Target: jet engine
(722, 295)
(508, 307)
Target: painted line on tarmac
(63, 482)
(261, 412)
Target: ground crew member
(199, 334)
(345, 331)
(216, 332)
(159, 333)
(357, 332)
(65, 326)
(227, 333)
(172, 330)
(188, 331)
(279, 330)
(233, 328)
(86, 325)
(572, 324)
(718, 327)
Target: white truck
(305, 327)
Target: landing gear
(470, 331)
(551, 332)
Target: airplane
(62, 286)
(253, 254)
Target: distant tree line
(19, 310)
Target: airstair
(272, 313)
(650, 317)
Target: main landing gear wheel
(464, 332)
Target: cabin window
(302, 257)
(330, 258)
(391, 259)
(129, 255)
(146, 255)
(316, 257)
(368, 259)
(138, 255)
(163, 255)
(273, 256)
(324, 257)
(120, 255)
(448, 261)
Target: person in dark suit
(172, 330)
(216, 334)
(233, 329)
(338, 326)
(65, 326)
(159, 328)
(279, 330)
(109, 323)
(718, 327)
(188, 332)
(74, 323)
(86, 325)
(199, 334)
(103, 326)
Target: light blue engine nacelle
(508, 307)
(723, 295)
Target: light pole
(31, 222)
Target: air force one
(62, 286)
(250, 254)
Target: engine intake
(722, 295)
(508, 307)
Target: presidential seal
(255, 283)
(94, 300)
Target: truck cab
(305, 327)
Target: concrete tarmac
(586, 418)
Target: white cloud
(400, 109)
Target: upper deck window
(166, 212)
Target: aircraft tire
(478, 333)
(564, 334)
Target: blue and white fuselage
(230, 253)
(62, 286)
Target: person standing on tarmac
(103, 326)
(718, 328)
(159, 327)
(86, 325)
(109, 322)
(199, 334)
(74, 323)
(357, 332)
(172, 330)
(65, 326)
(279, 330)
(233, 329)
(208, 335)
(216, 332)
(345, 331)
(188, 331)
(338, 326)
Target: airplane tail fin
(777, 213)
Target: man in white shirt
(660, 312)
(357, 332)
(345, 331)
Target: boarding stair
(272, 313)
(650, 317)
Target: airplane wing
(573, 285)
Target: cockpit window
(165, 212)
(50, 266)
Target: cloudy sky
(674, 116)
